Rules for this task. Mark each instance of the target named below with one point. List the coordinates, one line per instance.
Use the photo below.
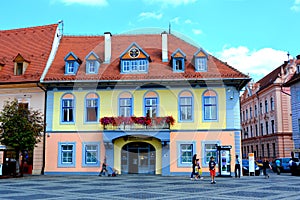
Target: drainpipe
(44, 135)
(258, 127)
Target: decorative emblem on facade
(134, 52)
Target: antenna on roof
(61, 30)
(169, 27)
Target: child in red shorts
(212, 169)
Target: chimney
(164, 46)
(107, 47)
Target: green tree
(21, 128)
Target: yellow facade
(168, 106)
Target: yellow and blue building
(116, 96)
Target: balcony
(137, 123)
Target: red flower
(116, 121)
(170, 120)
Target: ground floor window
(90, 154)
(66, 154)
(209, 149)
(186, 150)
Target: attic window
(178, 58)
(92, 63)
(178, 64)
(201, 64)
(1, 65)
(72, 63)
(70, 67)
(91, 68)
(200, 58)
(19, 69)
(134, 60)
(20, 65)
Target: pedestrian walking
(212, 169)
(104, 168)
(277, 162)
(237, 168)
(266, 165)
(194, 163)
(199, 170)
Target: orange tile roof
(34, 44)
(151, 44)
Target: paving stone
(126, 187)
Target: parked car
(245, 168)
(284, 164)
(295, 167)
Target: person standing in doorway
(237, 168)
(212, 169)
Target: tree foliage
(21, 128)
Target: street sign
(251, 163)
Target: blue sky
(253, 36)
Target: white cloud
(86, 2)
(256, 63)
(170, 2)
(296, 6)
(149, 15)
(188, 21)
(197, 31)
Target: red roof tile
(151, 44)
(34, 44)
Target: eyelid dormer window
(72, 63)
(200, 58)
(178, 61)
(20, 65)
(92, 63)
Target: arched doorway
(138, 158)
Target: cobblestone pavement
(127, 187)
